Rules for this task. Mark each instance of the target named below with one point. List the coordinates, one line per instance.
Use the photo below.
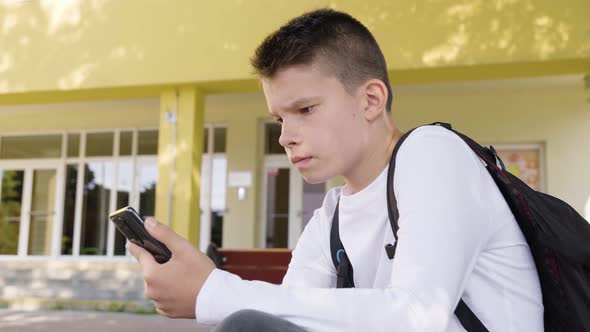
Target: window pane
(11, 195)
(218, 181)
(277, 208)
(272, 132)
(217, 228)
(148, 176)
(124, 185)
(99, 144)
(218, 187)
(147, 142)
(67, 234)
(39, 146)
(73, 145)
(98, 178)
(42, 212)
(206, 141)
(219, 140)
(126, 140)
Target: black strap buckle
(390, 250)
(493, 150)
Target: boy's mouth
(300, 161)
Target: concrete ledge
(92, 283)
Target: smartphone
(130, 224)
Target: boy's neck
(373, 165)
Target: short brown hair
(349, 48)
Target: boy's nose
(288, 136)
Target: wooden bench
(268, 265)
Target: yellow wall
(80, 115)
(79, 44)
(554, 112)
(180, 145)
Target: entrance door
(288, 203)
(28, 216)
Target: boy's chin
(316, 178)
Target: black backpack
(559, 239)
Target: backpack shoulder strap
(466, 316)
(392, 210)
(344, 270)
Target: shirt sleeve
(442, 229)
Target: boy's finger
(142, 255)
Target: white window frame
(206, 182)
(295, 218)
(60, 164)
(28, 166)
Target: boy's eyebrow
(296, 104)
(301, 102)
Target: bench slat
(268, 265)
(257, 258)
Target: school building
(153, 104)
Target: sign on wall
(525, 162)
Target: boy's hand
(174, 285)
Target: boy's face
(323, 128)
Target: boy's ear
(375, 93)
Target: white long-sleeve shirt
(457, 238)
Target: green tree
(10, 209)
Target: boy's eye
(306, 109)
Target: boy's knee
(256, 321)
(241, 320)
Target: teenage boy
(325, 80)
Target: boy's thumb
(162, 233)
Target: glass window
(206, 141)
(126, 141)
(218, 180)
(219, 140)
(147, 142)
(148, 177)
(99, 144)
(73, 145)
(218, 187)
(11, 195)
(98, 179)
(42, 212)
(38, 146)
(67, 235)
(124, 185)
(217, 228)
(272, 132)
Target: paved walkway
(90, 321)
